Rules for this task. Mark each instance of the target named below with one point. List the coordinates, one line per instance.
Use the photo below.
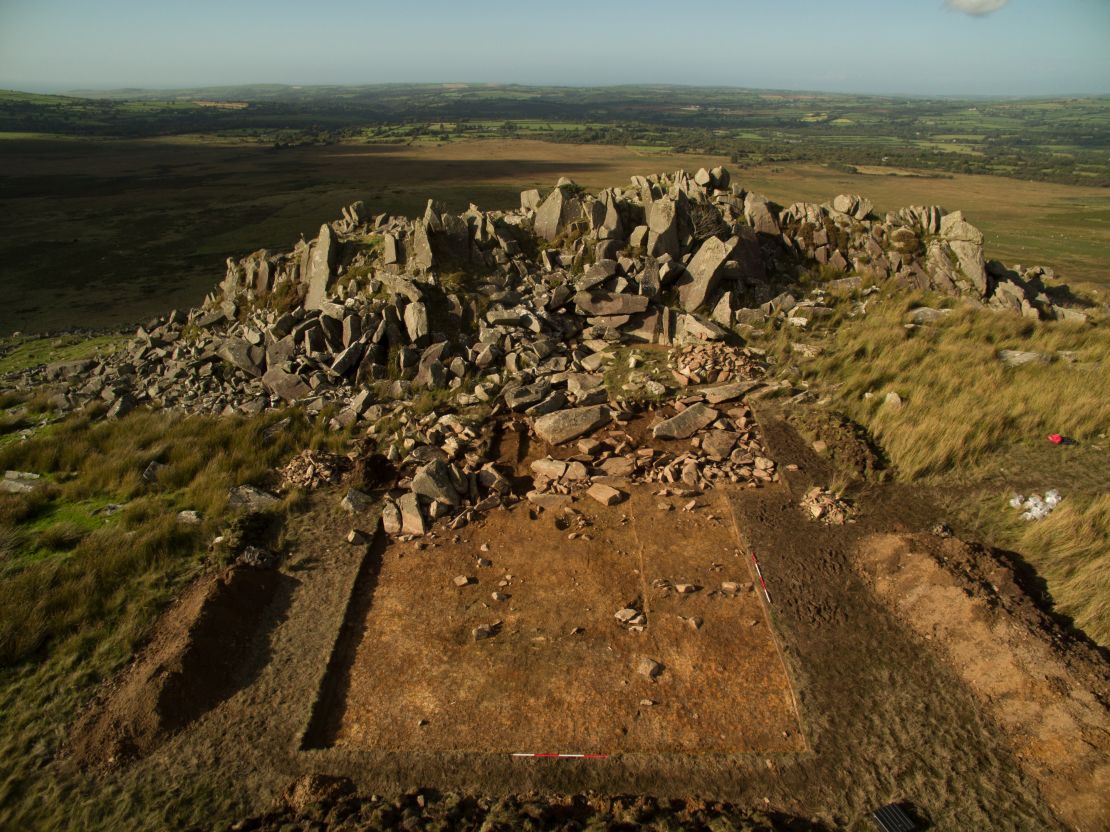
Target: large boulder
(662, 222)
(246, 357)
(966, 242)
(288, 386)
(852, 205)
(422, 256)
(704, 273)
(557, 212)
(685, 424)
(610, 227)
(564, 425)
(321, 268)
(757, 211)
(610, 303)
(416, 323)
(434, 482)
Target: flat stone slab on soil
(561, 673)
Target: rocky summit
(526, 311)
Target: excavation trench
(561, 673)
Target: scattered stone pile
(376, 309)
(312, 469)
(713, 363)
(825, 506)
(421, 330)
(323, 802)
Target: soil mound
(199, 655)
(1046, 690)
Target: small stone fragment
(605, 494)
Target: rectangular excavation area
(560, 673)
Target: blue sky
(1025, 47)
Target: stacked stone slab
(372, 310)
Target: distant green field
(1063, 140)
(119, 205)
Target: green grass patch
(25, 352)
(81, 588)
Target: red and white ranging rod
(762, 582)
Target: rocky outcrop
(363, 317)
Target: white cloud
(978, 8)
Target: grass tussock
(960, 402)
(1069, 549)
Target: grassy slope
(976, 429)
(81, 589)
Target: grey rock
(553, 469)
(730, 392)
(1019, 358)
(556, 213)
(685, 424)
(412, 519)
(434, 481)
(321, 265)
(703, 273)
(530, 200)
(249, 498)
(391, 518)
(356, 501)
(565, 425)
(286, 385)
(610, 303)
(422, 257)
(548, 502)
(605, 494)
(416, 323)
(928, 315)
(718, 444)
(527, 395)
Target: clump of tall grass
(963, 410)
(1071, 550)
(959, 401)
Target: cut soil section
(561, 672)
(201, 652)
(1048, 694)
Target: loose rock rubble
(825, 506)
(426, 334)
(311, 469)
(323, 802)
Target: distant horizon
(77, 91)
(911, 48)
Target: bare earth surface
(1060, 730)
(561, 673)
(365, 642)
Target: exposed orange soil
(561, 674)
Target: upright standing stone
(321, 268)
(704, 273)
